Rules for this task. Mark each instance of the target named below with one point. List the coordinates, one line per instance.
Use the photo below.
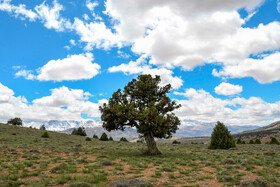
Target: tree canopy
(221, 138)
(80, 131)
(15, 121)
(143, 104)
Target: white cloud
(62, 104)
(91, 5)
(96, 34)
(51, 17)
(27, 74)
(228, 89)
(140, 66)
(18, 11)
(133, 67)
(62, 97)
(5, 93)
(265, 70)
(192, 33)
(74, 67)
(201, 106)
(72, 42)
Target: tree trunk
(151, 143)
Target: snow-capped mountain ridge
(188, 128)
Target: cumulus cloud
(18, 11)
(228, 89)
(140, 67)
(96, 34)
(91, 5)
(201, 106)
(264, 70)
(27, 74)
(51, 17)
(192, 33)
(5, 93)
(62, 104)
(74, 67)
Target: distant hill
(273, 128)
(188, 128)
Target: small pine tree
(221, 138)
(43, 127)
(111, 139)
(80, 131)
(258, 141)
(176, 142)
(15, 121)
(123, 139)
(45, 135)
(273, 140)
(251, 142)
(88, 139)
(104, 137)
(95, 136)
(239, 141)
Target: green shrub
(43, 127)
(80, 131)
(104, 137)
(176, 142)
(239, 141)
(15, 121)
(221, 138)
(251, 142)
(111, 139)
(123, 139)
(45, 135)
(273, 140)
(88, 139)
(258, 141)
(95, 136)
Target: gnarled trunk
(151, 143)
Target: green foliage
(258, 141)
(15, 121)
(43, 127)
(273, 140)
(145, 105)
(80, 131)
(45, 135)
(176, 142)
(88, 139)
(95, 136)
(123, 139)
(239, 141)
(221, 138)
(104, 137)
(251, 142)
(111, 139)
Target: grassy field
(27, 159)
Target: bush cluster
(80, 131)
(45, 135)
(221, 138)
(104, 137)
(123, 139)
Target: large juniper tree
(142, 104)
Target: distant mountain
(273, 128)
(191, 128)
(188, 128)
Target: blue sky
(62, 59)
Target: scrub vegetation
(28, 159)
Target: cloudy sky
(61, 59)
